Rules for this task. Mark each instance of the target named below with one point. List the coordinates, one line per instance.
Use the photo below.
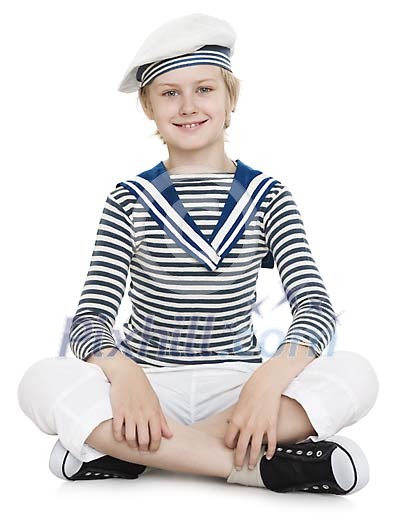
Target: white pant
(70, 397)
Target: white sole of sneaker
(348, 463)
(61, 459)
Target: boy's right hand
(137, 414)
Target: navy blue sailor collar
(155, 190)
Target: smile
(191, 126)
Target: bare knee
(102, 433)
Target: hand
(255, 415)
(137, 414)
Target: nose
(188, 105)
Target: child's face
(184, 95)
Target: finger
(130, 432)
(271, 442)
(155, 433)
(143, 435)
(241, 448)
(255, 449)
(230, 437)
(117, 427)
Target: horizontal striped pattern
(210, 54)
(314, 319)
(181, 313)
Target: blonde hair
(232, 85)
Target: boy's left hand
(255, 415)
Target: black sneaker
(336, 465)
(66, 466)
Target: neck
(190, 163)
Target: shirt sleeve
(314, 318)
(91, 326)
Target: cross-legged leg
(293, 424)
(188, 451)
(329, 394)
(199, 448)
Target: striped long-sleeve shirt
(180, 312)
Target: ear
(147, 108)
(148, 112)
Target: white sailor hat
(184, 41)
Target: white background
(316, 111)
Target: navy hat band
(209, 54)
